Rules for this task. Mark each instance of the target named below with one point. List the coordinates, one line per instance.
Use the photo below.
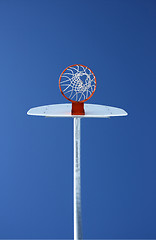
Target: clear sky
(116, 39)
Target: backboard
(64, 110)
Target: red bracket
(77, 108)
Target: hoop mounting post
(77, 181)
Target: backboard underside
(64, 110)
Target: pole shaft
(77, 181)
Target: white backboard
(64, 110)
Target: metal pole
(77, 181)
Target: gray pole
(77, 181)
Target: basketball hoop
(77, 83)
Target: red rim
(62, 91)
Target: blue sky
(39, 39)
